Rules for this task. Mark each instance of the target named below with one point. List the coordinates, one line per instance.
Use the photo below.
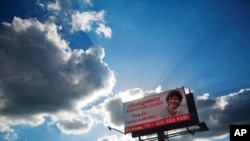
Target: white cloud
(54, 6)
(40, 4)
(108, 138)
(131, 94)
(116, 138)
(59, 5)
(221, 102)
(86, 21)
(77, 124)
(89, 2)
(42, 76)
(83, 21)
(205, 96)
(158, 89)
(105, 30)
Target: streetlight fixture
(111, 128)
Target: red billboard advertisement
(162, 109)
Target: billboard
(162, 109)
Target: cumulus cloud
(42, 76)
(89, 2)
(108, 138)
(62, 12)
(59, 5)
(86, 21)
(218, 113)
(105, 30)
(115, 138)
(73, 122)
(219, 118)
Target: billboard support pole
(161, 136)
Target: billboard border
(193, 121)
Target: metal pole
(110, 128)
(161, 136)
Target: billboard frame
(160, 109)
(160, 130)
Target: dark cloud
(114, 107)
(75, 126)
(219, 113)
(41, 74)
(229, 109)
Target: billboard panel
(166, 108)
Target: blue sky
(67, 66)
